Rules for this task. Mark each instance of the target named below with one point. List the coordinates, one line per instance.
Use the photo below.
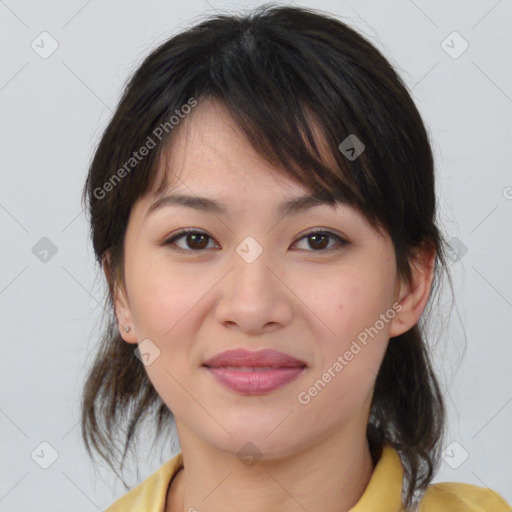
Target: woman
(263, 206)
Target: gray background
(52, 113)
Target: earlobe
(121, 306)
(124, 316)
(413, 296)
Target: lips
(254, 373)
(244, 360)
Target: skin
(307, 302)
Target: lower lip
(255, 382)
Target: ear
(121, 305)
(413, 296)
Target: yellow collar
(383, 492)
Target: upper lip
(260, 358)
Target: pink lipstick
(254, 373)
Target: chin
(279, 444)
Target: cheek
(354, 303)
(163, 299)
(352, 309)
(165, 308)
(368, 292)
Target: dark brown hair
(279, 71)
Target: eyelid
(181, 234)
(342, 241)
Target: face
(252, 278)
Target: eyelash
(341, 241)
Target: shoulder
(461, 497)
(150, 495)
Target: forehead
(210, 161)
(209, 144)
(210, 151)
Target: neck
(328, 476)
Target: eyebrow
(207, 205)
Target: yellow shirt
(383, 493)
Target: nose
(254, 299)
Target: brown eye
(318, 241)
(195, 241)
